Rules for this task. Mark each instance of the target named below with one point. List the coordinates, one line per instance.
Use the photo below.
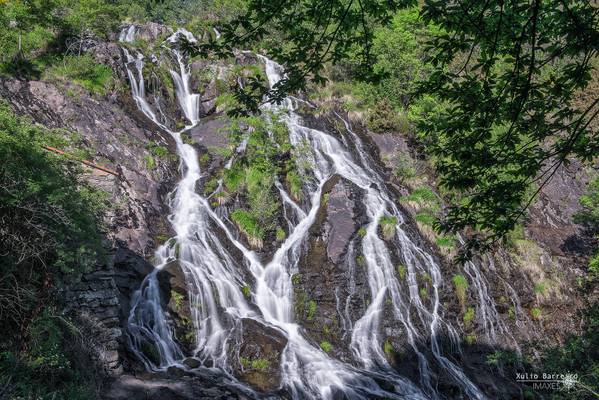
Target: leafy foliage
(44, 371)
(50, 223)
(508, 73)
(85, 71)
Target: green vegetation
(150, 162)
(423, 293)
(471, 339)
(540, 288)
(247, 291)
(177, 299)
(260, 364)
(388, 224)
(362, 231)
(311, 312)
(404, 168)
(493, 89)
(295, 182)
(460, 283)
(424, 196)
(445, 241)
(402, 271)
(361, 260)
(249, 226)
(469, 315)
(253, 175)
(425, 218)
(535, 312)
(50, 224)
(296, 279)
(280, 234)
(45, 369)
(85, 71)
(388, 348)
(589, 218)
(326, 346)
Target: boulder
(256, 356)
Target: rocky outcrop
(102, 130)
(255, 357)
(175, 296)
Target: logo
(548, 381)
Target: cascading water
(214, 279)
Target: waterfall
(214, 279)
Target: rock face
(256, 356)
(110, 133)
(331, 289)
(175, 296)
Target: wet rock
(156, 387)
(331, 290)
(255, 356)
(341, 223)
(152, 32)
(175, 297)
(192, 363)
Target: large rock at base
(175, 298)
(256, 356)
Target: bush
(385, 119)
(44, 371)
(460, 284)
(326, 346)
(86, 72)
(249, 226)
(388, 224)
(469, 315)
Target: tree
(505, 74)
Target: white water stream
(215, 282)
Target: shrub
(249, 226)
(424, 196)
(423, 293)
(460, 283)
(388, 348)
(51, 219)
(402, 271)
(296, 279)
(535, 312)
(404, 168)
(425, 218)
(471, 339)
(260, 364)
(388, 224)
(469, 315)
(150, 162)
(86, 72)
(326, 346)
(312, 306)
(295, 183)
(246, 290)
(385, 119)
(280, 234)
(445, 241)
(540, 287)
(362, 231)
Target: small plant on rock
(388, 224)
(460, 283)
(326, 346)
(469, 315)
